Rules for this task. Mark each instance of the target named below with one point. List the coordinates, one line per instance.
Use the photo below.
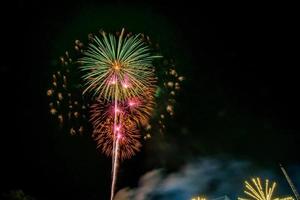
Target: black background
(240, 97)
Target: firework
(65, 101)
(132, 113)
(67, 105)
(103, 131)
(117, 68)
(257, 191)
(118, 75)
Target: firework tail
(296, 194)
(115, 169)
(115, 147)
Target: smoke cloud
(210, 177)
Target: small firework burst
(255, 190)
(65, 101)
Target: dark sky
(240, 97)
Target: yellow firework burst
(257, 191)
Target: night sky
(239, 100)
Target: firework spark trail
(115, 148)
(115, 168)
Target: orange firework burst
(131, 114)
(103, 131)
